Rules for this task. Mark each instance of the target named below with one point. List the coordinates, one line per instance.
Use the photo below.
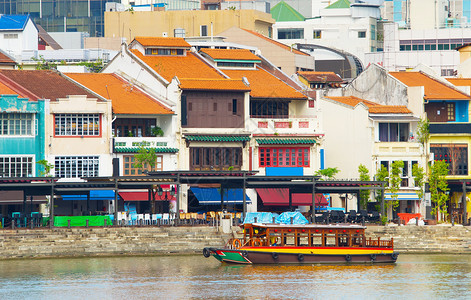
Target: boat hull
(303, 256)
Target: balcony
(450, 128)
(138, 142)
(283, 126)
(409, 148)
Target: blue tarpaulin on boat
(212, 196)
(94, 195)
(262, 217)
(285, 218)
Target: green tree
(47, 167)
(395, 183)
(328, 173)
(423, 131)
(94, 67)
(364, 176)
(381, 175)
(146, 159)
(439, 188)
(42, 64)
(419, 179)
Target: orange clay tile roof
(286, 47)
(124, 98)
(312, 76)
(188, 66)
(42, 84)
(213, 84)
(5, 90)
(434, 90)
(162, 42)
(5, 59)
(231, 54)
(460, 81)
(265, 85)
(374, 108)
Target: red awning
(280, 197)
(144, 196)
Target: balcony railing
(453, 128)
(411, 148)
(284, 126)
(137, 142)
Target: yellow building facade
(129, 24)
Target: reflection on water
(413, 276)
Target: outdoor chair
(352, 216)
(121, 218)
(19, 219)
(36, 219)
(334, 216)
(147, 220)
(140, 219)
(362, 216)
(375, 217)
(166, 219)
(341, 217)
(324, 218)
(155, 219)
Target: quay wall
(110, 241)
(426, 239)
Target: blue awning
(94, 195)
(402, 196)
(212, 196)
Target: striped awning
(402, 196)
(285, 141)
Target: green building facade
(22, 136)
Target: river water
(183, 277)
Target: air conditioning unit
(164, 34)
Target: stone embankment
(76, 242)
(426, 239)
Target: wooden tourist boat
(311, 243)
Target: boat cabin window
(329, 240)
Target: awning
(95, 195)
(402, 196)
(16, 197)
(212, 196)
(144, 196)
(280, 197)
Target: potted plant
(157, 131)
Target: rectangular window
(450, 110)
(283, 157)
(16, 124)
(16, 166)
(311, 103)
(10, 36)
(317, 34)
(373, 32)
(361, 34)
(129, 168)
(76, 166)
(163, 51)
(234, 106)
(269, 109)
(290, 33)
(204, 30)
(215, 158)
(134, 127)
(184, 115)
(455, 155)
(393, 132)
(77, 124)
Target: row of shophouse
(225, 109)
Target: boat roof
(307, 226)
